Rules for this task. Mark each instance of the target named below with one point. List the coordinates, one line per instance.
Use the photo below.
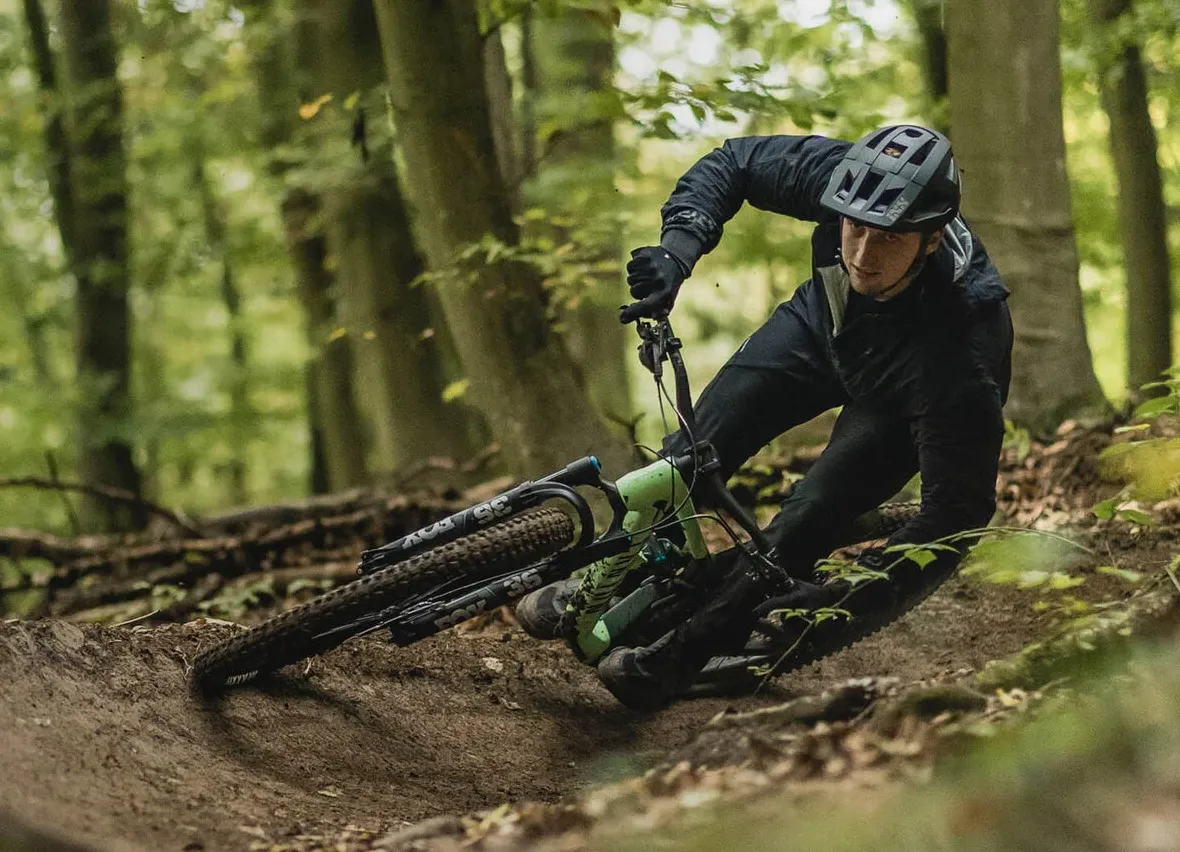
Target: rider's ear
(934, 242)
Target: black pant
(869, 458)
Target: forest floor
(485, 738)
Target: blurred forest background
(255, 250)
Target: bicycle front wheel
(313, 628)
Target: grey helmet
(900, 178)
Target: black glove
(805, 596)
(876, 558)
(654, 276)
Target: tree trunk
(397, 346)
(529, 87)
(400, 370)
(505, 131)
(1142, 213)
(52, 113)
(99, 257)
(335, 425)
(520, 375)
(1005, 81)
(575, 58)
(336, 441)
(929, 15)
(241, 412)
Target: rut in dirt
(104, 742)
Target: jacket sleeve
(782, 174)
(958, 458)
(958, 434)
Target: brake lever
(652, 350)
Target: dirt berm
(102, 742)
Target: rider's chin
(866, 283)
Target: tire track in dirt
(102, 741)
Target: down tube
(650, 494)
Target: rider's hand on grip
(654, 276)
(804, 596)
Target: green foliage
(687, 76)
(1017, 438)
(162, 595)
(233, 601)
(1149, 464)
(1116, 507)
(811, 616)
(1027, 560)
(1121, 573)
(188, 94)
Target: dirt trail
(101, 739)
(103, 742)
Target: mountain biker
(903, 322)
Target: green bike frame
(653, 496)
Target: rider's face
(877, 259)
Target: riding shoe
(539, 613)
(649, 678)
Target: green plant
(234, 601)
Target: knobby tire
(292, 636)
(877, 524)
(872, 606)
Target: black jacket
(938, 354)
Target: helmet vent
(845, 185)
(922, 153)
(868, 186)
(887, 198)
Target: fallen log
(28, 544)
(132, 603)
(113, 495)
(187, 559)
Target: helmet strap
(915, 268)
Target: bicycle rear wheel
(315, 627)
(871, 607)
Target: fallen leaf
(309, 110)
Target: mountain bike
(647, 570)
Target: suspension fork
(559, 485)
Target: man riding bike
(903, 322)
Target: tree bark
(52, 113)
(929, 15)
(575, 58)
(529, 87)
(336, 440)
(1005, 82)
(505, 129)
(333, 416)
(399, 367)
(520, 375)
(98, 229)
(398, 347)
(1142, 212)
